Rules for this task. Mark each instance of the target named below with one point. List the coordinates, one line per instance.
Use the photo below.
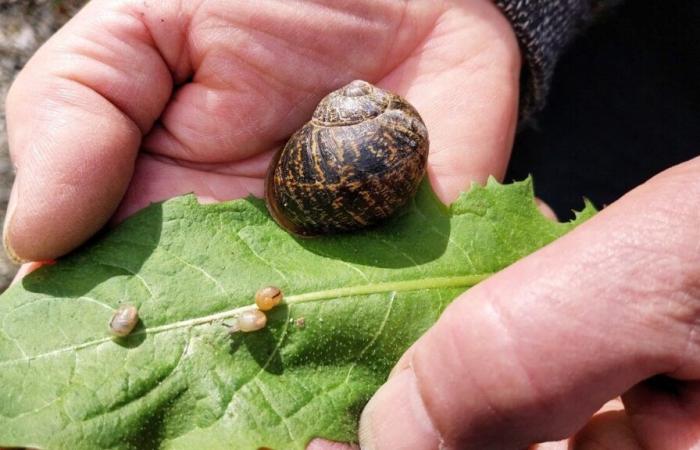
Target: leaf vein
(130, 272)
(464, 281)
(374, 338)
(266, 397)
(257, 255)
(178, 258)
(449, 238)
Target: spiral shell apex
(359, 159)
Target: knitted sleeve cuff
(544, 28)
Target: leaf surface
(353, 304)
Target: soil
(24, 26)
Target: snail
(268, 297)
(124, 320)
(357, 161)
(248, 321)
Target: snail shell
(249, 321)
(357, 161)
(124, 320)
(268, 297)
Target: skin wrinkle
(426, 382)
(257, 165)
(392, 44)
(186, 153)
(683, 281)
(177, 57)
(623, 251)
(640, 300)
(316, 57)
(304, 52)
(78, 84)
(494, 415)
(166, 143)
(97, 56)
(538, 398)
(420, 43)
(271, 95)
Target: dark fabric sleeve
(544, 28)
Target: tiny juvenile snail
(268, 297)
(357, 161)
(124, 320)
(248, 321)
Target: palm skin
(260, 71)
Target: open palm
(134, 102)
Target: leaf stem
(464, 281)
(390, 286)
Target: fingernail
(9, 214)
(395, 418)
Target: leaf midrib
(464, 281)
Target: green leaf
(353, 304)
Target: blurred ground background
(24, 26)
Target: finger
(75, 117)
(545, 209)
(664, 413)
(530, 354)
(464, 81)
(608, 429)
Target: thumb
(530, 354)
(75, 118)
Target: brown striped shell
(357, 161)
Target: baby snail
(268, 297)
(124, 320)
(247, 321)
(255, 319)
(357, 161)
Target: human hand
(530, 354)
(134, 102)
